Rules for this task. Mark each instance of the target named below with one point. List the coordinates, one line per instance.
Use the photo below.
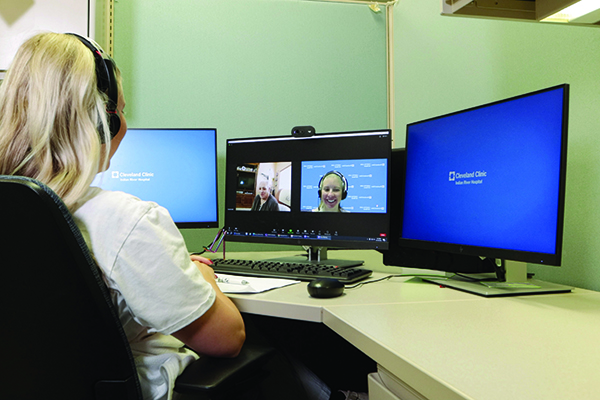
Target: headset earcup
(114, 123)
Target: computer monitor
(403, 255)
(176, 168)
(321, 191)
(489, 181)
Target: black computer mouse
(325, 288)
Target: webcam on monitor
(303, 130)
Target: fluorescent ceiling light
(584, 11)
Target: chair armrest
(209, 374)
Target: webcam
(303, 131)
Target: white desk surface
(449, 345)
(532, 347)
(293, 302)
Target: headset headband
(107, 83)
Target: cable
(470, 278)
(216, 243)
(385, 278)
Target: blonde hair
(50, 111)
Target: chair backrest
(60, 334)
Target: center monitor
(321, 191)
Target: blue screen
(175, 168)
(489, 176)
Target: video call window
(264, 186)
(303, 178)
(344, 185)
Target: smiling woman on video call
(333, 188)
(61, 120)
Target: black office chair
(61, 335)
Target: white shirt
(153, 283)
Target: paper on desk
(249, 284)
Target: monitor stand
(510, 280)
(318, 256)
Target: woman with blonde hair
(333, 188)
(61, 120)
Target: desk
(446, 344)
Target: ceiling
(531, 10)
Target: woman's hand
(203, 260)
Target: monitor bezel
(552, 259)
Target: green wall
(251, 68)
(444, 64)
(259, 67)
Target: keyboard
(303, 271)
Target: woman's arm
(219, 332)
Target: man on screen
(264, 200)
(333, 188)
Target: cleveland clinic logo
(132, 176)
(467, 178)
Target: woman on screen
(61, 120)
(333, 188)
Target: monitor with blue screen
(176, 168)
(490, 181)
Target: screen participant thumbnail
(264, 186)
(347, 186)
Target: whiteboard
(21, 19)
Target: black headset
(342, 177)
(107, 83)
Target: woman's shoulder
(113, 199)
(113, 205)
(109, 219)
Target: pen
(232, 281)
